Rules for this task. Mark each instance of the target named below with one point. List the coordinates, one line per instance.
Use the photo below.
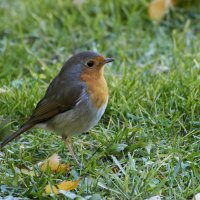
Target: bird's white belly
(78, 120)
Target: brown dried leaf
(63, 168)
(158, 8)
(53, 163)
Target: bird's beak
(107, 60)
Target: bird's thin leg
(69, 144)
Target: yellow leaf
(63, 168)
(52, 162)
(68, 185)
(158, 8)
(51, 189)
(64, 185)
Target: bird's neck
(96, 84)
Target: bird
(74, 101)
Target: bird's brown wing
(55, 102)
(58, 98)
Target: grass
(148, 140)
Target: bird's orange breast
(96, 84)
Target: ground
(147, 142)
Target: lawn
(148, 141)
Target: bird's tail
(24, 128)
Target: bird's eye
(90, 63)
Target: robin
(74, 101)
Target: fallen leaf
(63, 168)
(53, 163)
(68, 185)
(158, 8)
(64, 185)
(51, 189)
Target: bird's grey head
(82, 60)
